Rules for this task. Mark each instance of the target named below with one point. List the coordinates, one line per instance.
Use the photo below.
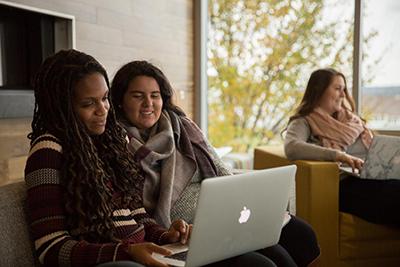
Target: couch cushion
(361, 239)
(16, 246)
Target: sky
(384, 16)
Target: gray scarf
(167, 171)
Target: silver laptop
(383, 159)
(236, 214)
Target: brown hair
(133, 69)
(317, 85)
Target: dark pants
(248, 259)
(120, 264)
(376, 201)
(297, 245)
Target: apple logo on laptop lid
(244, 215)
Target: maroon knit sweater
(55, 244)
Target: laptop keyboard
(181, 256)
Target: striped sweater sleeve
(46, 214)
(152, 229)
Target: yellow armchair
(345, 239)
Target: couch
(345, 240)
(16, 248)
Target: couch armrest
(317, 184)
(317, 195)
(266, 157)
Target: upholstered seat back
(345, 239)
(15, 244)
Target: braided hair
(90, 163)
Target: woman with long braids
(84, 194)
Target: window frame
(201, 86)
(200, 65)
(357, 63)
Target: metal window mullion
(200, 66)
(357, 55)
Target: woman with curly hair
(84, 191)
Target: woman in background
(325, 127)
(175, 157)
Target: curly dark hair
(89, 162)
(133, 69)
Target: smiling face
(142, 102)
(333, 97)
(90, 102)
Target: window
(27, 37)
(380, 91)
(261, 53)
(260, 56)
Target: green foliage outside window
(261, 54)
